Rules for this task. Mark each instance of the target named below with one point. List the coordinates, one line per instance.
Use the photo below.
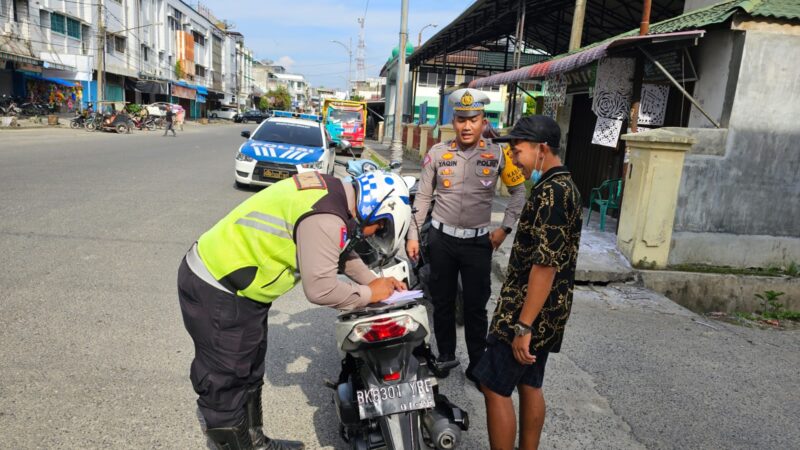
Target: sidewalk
(599, 261)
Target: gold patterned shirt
(548, 234)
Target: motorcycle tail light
(383, 329)
(394, 376)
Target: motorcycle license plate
(380, 401)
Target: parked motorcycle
(79, 121)
(387, 391)
(142, 123)
(8, 107)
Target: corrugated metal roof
(776, 9)
(693, 20)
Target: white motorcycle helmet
(384, 196)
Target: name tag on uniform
(448, 163)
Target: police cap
(468, 102)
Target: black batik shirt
(548, 234)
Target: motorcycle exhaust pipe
(444, 434)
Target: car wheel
(214, 116)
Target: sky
(298, 33)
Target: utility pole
(577, 25)
(397, 142)
(101, 54)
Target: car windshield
(338, 115)
(289, 133)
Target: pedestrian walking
(300, 228)
(170, 122)
(180, 117)
(461, 177)
(536, 297)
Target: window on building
(199, 39)
(450, 78)
(428, 77)
(73, 28)
(58, 23)
(199, 70)
(119, 44)
(145, 53)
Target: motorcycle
(79, 121)
(387, 394)
(141, 123)
(118, 121)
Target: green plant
(133, 108)
(178, 70)
(769, 300)
(530, 106)
(792, 270)
(357, 98)
(279, 98)
(263, 103)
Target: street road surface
(93, 352)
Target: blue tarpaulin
(51, 79)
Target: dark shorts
(499, 371)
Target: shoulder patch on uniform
(482, 144)
(342, 237)
(309, 180)
(427, 159)
(453, 145)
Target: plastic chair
(613, 189)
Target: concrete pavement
(94, 354)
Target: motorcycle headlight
(242, 157)
(314, 165)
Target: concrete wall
(750, 196)
(717, 63)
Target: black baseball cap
(536, 128)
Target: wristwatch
(507, 230)
(520, 329)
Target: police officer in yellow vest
(461, 176)
(299, 228)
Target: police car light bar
(296, 115)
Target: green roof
(712, 15)
(721, 12)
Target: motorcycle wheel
(90, 126)
(122, 128)
(74, 124)
(151, 126)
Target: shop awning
(201, 90)
(569, 62)
(20, 58)
(147, 86)
(58, 81)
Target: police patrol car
(283, 145)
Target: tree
(263, 103)
(357, 98)
(530, 106)
(279, 98)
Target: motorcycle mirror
(246, 134)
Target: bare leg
(531, 416)
(500, 420)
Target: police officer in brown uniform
(462, 176)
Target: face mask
(536, 174)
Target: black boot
(234, 438)
(255, 421)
